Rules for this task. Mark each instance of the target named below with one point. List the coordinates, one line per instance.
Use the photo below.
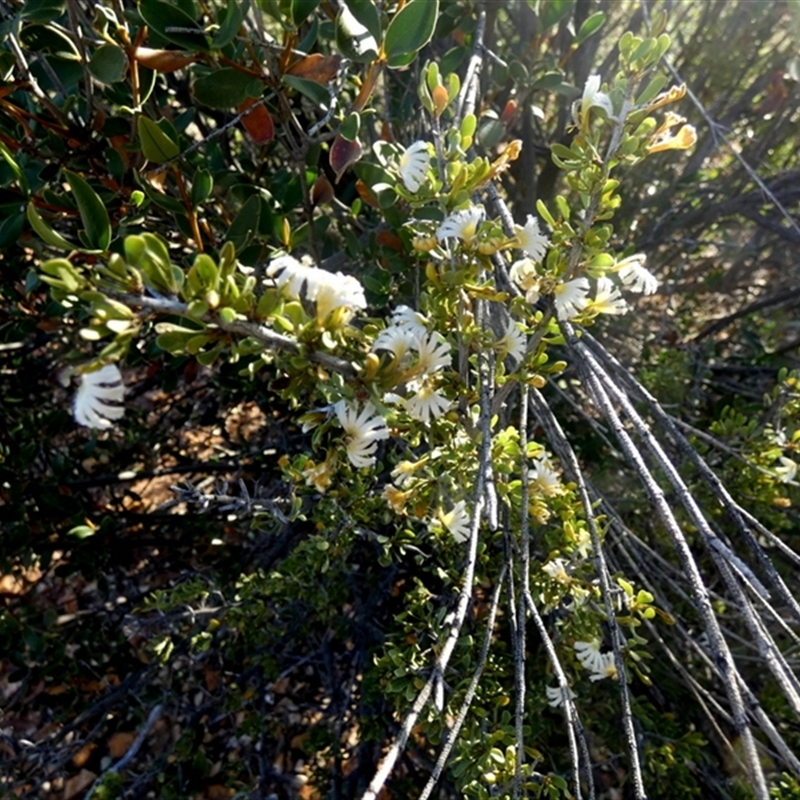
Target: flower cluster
(419, 356)
(328, 290)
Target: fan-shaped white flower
(608, 299)
(327, 289)
(787, 471)
(514, 341)
(592, 98)
(523, 273)
(604, 667)
(425, 403)
(556, 695)
(414, 165)
(570, 298)
(588, 653)
(363, 431)
(397, 339)
(557, 569)
(461, 225)
(93, 405)
(457, 521)
(636, 277)
(544, 478)
(433, 353)
(531, 239)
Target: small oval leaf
(92, 210)
(409, 31)
(156, 145)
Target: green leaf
(92, 210)
(590, 26)
(358, 30)
(409, 31)
(19, 173)
(202, 185)
(108, 63)
(45, 232)
(42, 10)
(245, 223)
(156, 145)
(225, 88)
(231, 22)
(551, 12)
(314, 91)
(163, 16)
(350, 127)
(301, 10)
(81, 531)
(48, 39)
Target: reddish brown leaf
(258, 123)
(365, 193)
(78, 784)
(321, 191)
(343, 155)
(163, 60)
(119, 743)
(316, 67)
(388, 239)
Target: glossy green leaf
(231, 22)
(45, 232)
(358, 30)
(46, 38)
(409, 31)
(164, 17)
(92, 210)
(42, 10)
(314, 91)
(156, 145)
(19, 173)
(350, 127)
(551, 12)
(590, 26)
(301, 10)
(245, 223)
(108, 63)
(202, 185)
(225, 88)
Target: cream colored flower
(514, 341)
(635, 276)
(544, 479)
(99, 392)
(570, 298)
(608, 299)
(433, 353)
(414, 165)
(396, 498)
(461, 225)
(425, 403)
(523, 273)
(592, 98)
(318, 475)
(557, 570)
(556, 696)
(532, 240)
(363, 432)
(588, 653)
(605, 667)
(457, 521)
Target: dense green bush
(360, 509)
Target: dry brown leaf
(119, 743)
(316, 67)
(78, 784)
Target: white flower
(570, 298)
(532, 240)
(457, 521)
(397, 339)
(434, 353)
(408, 318)
(608, 299)
(461, 224)
(514, 341)
(787, 471)
(524, 275)
(588, 653)
(93, 405)
(544, 478)
(327, 289)
(363, 432)
(414, 165)
(556, 695)
(604, 667)
(557, 570)
(426, 403)
(592, 98)
(635, 276)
